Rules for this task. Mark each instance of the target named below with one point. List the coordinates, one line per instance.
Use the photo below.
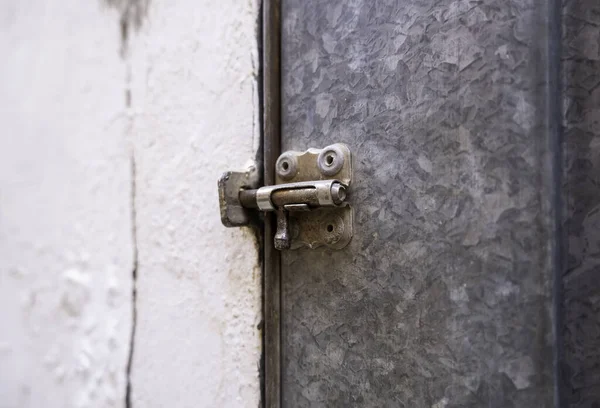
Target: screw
(286, 166)
(330, 160)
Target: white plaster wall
(93, 186)
(65, 215)
(194, 108)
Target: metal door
(449, 294)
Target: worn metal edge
(271, 45)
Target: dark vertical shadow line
(125, 25)
(128, 402)
(271, 40)
(554, 120)
(258, 229)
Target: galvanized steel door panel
(447, 295)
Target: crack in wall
(125, 23)
(131, 15)
(128, 401)
(133, 175)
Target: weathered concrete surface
(66, 252)
(194, 115)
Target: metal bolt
(338, 193)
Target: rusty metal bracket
(309, 198)
(233, 214)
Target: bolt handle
(282, 238)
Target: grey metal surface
(581, 79)
(444, 296)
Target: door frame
(271, 148)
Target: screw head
(286, 166)
(330, 160)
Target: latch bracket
(309, 198)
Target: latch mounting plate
(330, 227)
